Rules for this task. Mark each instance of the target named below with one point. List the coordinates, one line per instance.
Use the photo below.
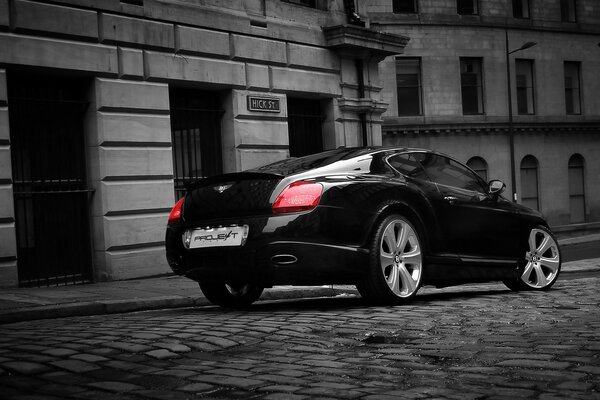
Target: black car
(387, 220)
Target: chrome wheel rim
(400, 258)
(543, 260)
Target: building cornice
(359, 42)
(450, 129)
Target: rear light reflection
(175, 215)
(297, 197)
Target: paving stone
(219, 341)
(130, 347)
(75, 365)
(173, 347)
(196, 388)
(25, 367)
(119, 387)
(280, 388)
(89, 358)
(59, 352)
(202, 346)
(161, 354)
(527, 363)
(284, 396)
(222, 380)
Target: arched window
(479, 165)
(529, 182)
(576, 188)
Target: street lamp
(511, 131)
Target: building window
(525, 94)
(196, 136)
(471, 84)
(572, 87)
(318, 4)
(467, 7)
(305, 126)
(404, 6)
(479, 165)
(568, 11)
(408, 82)
(520, 8)
(529, 182)
(576, 188)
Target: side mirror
(496, 187)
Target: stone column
(131, 170)
(8, 242)
(361, 50)
(254, 136)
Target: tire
(395, 264)
(231, 295)
(542, 263)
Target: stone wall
(132, 55)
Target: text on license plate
(215, 237)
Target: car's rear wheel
(232, 294)
(396, 262)
(542, 262)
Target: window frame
(419, 87)
(524, 5)
(485, 167)
(479, 87)
(568, 8)
(577, 64)
(415, 7)
(314, 4)
(580, 167)
(528, 89)
(535, 168)
(474, 3)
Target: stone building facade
(452, 85)
(107, 107)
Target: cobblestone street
(469, 342)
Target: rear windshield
(296, 165)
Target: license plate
(222, 236)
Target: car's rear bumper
(286, 249)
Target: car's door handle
(450, 199)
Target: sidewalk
(23, 304)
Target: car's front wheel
(542, 262)
(231, 295)
(396, 262)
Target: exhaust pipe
(284, 259)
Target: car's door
(414, 173)
(472, 222)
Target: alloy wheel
(400, 258)
(543, 260)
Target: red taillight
(298, 196)
(175, 216)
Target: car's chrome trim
(331, 246)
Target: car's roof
(341, 155)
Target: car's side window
(445, 171)
(408, 165)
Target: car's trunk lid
(242, 193)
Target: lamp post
(511, 131)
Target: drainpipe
(361, 95)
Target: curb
(81, 309)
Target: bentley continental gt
(387, 220)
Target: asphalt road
(468, 342)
